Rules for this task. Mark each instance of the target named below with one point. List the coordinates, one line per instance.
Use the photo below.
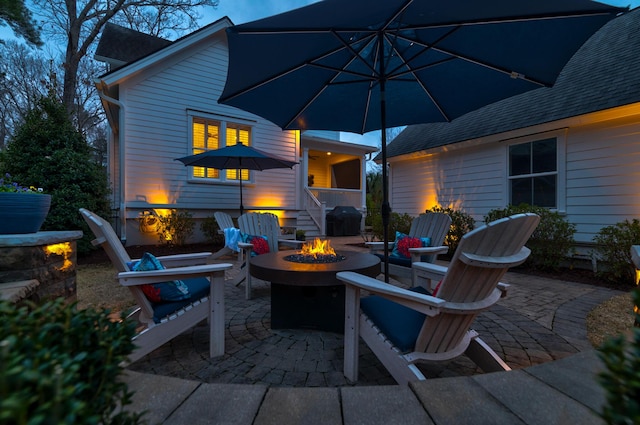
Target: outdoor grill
(343, 221)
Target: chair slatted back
(482, 258)
(431, 225)
(261, 224)
(108, 239)
(224, 220)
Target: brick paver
(540, 320)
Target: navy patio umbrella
(236, 157)
(363, 65)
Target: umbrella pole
(240, 178)
(386, 208)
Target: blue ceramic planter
(22, 212)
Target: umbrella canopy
(364, 65)
(236, 157)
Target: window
(533, 173)
(208, 134)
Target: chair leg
(351, 332)
(482, 355)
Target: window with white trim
(533, 173)
(208, 134)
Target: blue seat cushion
(399, 323)
(198, 288)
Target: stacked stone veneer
(49, 257)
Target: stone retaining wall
(49, 257)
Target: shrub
(48, 152)
(61, 365)
(621, 377)
(209, 227)
(550, 242)
(397, 223)
(176, 228)
(614, 246)
(461, 223)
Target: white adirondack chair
(161, 322)
(432, 225)
(261, 224)
(404, 327)
(224, 221)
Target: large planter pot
(22, 212)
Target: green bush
(552, 240)
(209, 227)
(614, 247)
(461, 223)
(397, 223)
(175, 228)
(621, 377)
(47, 151)
(61, 365)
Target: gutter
(121, 167)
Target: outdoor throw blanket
(231, 238)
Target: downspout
(121, 168)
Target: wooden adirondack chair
(403, 327)
(224, 221)
(430, 225)
(261, 224)
(165, 320)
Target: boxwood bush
(614, 249)
(61, 365)
(461, 223)
(397, 223)
(552, 240)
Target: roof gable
(119, 45)
(603, 74)
(154, 57)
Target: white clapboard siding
(602, 177)
(471, 179)
(157, 105)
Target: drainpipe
(121, 167)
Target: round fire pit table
(308, 295)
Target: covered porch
(332, 173)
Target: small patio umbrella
(363, 65)
(236, 157)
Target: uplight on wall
(62, 249)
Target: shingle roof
(126, 45)
(603, 74)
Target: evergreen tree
(15, 14)
(48, 152)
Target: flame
(317, 247)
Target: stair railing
(316, 209)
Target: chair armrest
(429, 270)
(157, 276)
(429, 250)
(181, 260)
(291, 242)
(423, 303)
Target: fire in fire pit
(318, 251)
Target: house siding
(603, 166)
(157, 105)
(471, 179)
(602, 170)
